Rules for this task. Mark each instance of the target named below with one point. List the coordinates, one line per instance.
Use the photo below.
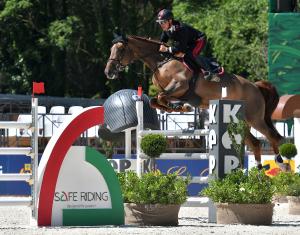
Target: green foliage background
(66, 43)
(236, 31)
(284, 52)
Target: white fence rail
(32, 152)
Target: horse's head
(120, 56)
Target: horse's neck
(148, 54)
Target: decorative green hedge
(153, 145)
(288, 150)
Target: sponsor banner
(182, 167)
(272, 167)
(15, 164)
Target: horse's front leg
(155, 105)
(174, 90)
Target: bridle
(119, 66)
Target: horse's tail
(271, 98)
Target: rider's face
(165, 25)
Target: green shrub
(153, 187)
(153, 145)
(288, 150)
(237, 187)
(287, 184)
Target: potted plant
(281, 181)
(288, 184)
(241, 198)
(153, 198)
(153, 145)
(288, 151)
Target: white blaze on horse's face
(115, 62)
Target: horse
(175, 82)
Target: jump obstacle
(221, 157)
(72, 185)
(59, 149)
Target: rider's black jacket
(183, 36)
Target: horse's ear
(119, 38)
(117, 33)
(124, 37)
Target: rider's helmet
(164, 15)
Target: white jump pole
(139, 128)
(297, 142)
(34, 156)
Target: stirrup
(207, 75)
(219, 71)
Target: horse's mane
(145, 39)
(147, 47)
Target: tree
(236, 31)
(66, 44)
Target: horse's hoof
(259, 166)
(278, 159)
(265, 167)
(187, 108)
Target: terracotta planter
(256, 214)
(151, 214)
(294, 205)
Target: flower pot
(294, 205)
(255, 214)
(151, 214)
(279, 199)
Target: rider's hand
(163, 48)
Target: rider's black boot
(209, 66)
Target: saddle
(208, 66)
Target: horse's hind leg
(255, 146)
(270, 133)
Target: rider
(187, 42)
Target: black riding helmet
(163, 15)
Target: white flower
(242, 189)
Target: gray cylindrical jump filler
(120, 114)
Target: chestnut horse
(175, 82)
